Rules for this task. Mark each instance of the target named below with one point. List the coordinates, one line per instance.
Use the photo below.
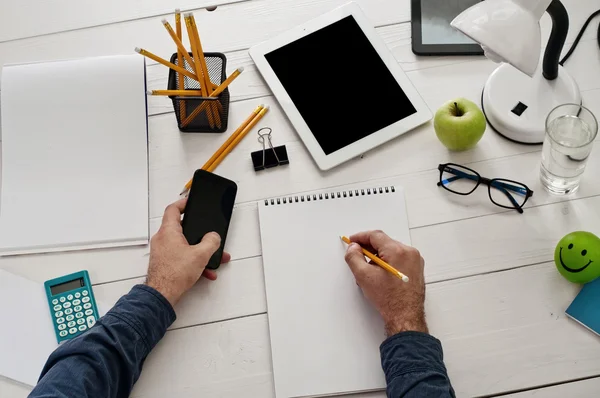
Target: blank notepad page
(325, 336)
(74, 155)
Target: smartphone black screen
(208, 209)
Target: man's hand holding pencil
(401, 305)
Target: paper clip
(273, 157)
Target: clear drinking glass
(570, 133)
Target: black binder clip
(265, 159)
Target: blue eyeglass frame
(500, 184)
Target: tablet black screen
(339, 84)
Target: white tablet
(340, 86)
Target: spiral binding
(327, 195)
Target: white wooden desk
(494, 297)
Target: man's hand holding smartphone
(175, 265)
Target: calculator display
(65, 287)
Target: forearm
(414, 366)
(107, 360)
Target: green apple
(577, 257)
(459, 124)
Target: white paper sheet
(27, 336)
(74, 155)
(325, 336)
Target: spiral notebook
(325, 336)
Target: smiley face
(577, 257)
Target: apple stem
(458, 112)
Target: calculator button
(58, 314)
(60, 320)
(89, 312)
(62, 326)
(79, 315)
(54, 302)
(77, 295)
(71, 324)
(76, 302)
(57, 307)
(70, 297)
(90, 321)
(85, 292)
(63, 299)
(69, 311)
(85, 299)
(70, 317)
(77, 308)
(82, 328)
(80, 321)
(67, 305)
(87, 306)
(72, 330)
(62, 333)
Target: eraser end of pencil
(138, 50)
(405, 278)
(241, 69)
(164, 21)
(177, 11)
(148, 92)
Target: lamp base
(516, 105)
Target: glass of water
(570, 133)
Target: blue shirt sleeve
(413, 364)
(107, 360)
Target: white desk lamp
(516, 104)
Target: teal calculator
(72, 305)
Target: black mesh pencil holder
(201, 114)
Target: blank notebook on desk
(74, 155)
(325, 336)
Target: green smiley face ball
(577, 257)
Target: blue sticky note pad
(585, 309)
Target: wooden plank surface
(499, 325)
(35, 18)
(244, 24)
(219, 344)
(231, 27)
(577, 389)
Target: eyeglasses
(464, 181)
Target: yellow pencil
(215, 93)
(180, 47)
(225, 145)
(198, 67)
(178, 93)
(379, 262)
(209, 85)
(165, 63)
(237, 139)
(180, 78)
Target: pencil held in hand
(379, 261)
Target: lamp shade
(507, 31)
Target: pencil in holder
(201, 114)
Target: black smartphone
(208, 209)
